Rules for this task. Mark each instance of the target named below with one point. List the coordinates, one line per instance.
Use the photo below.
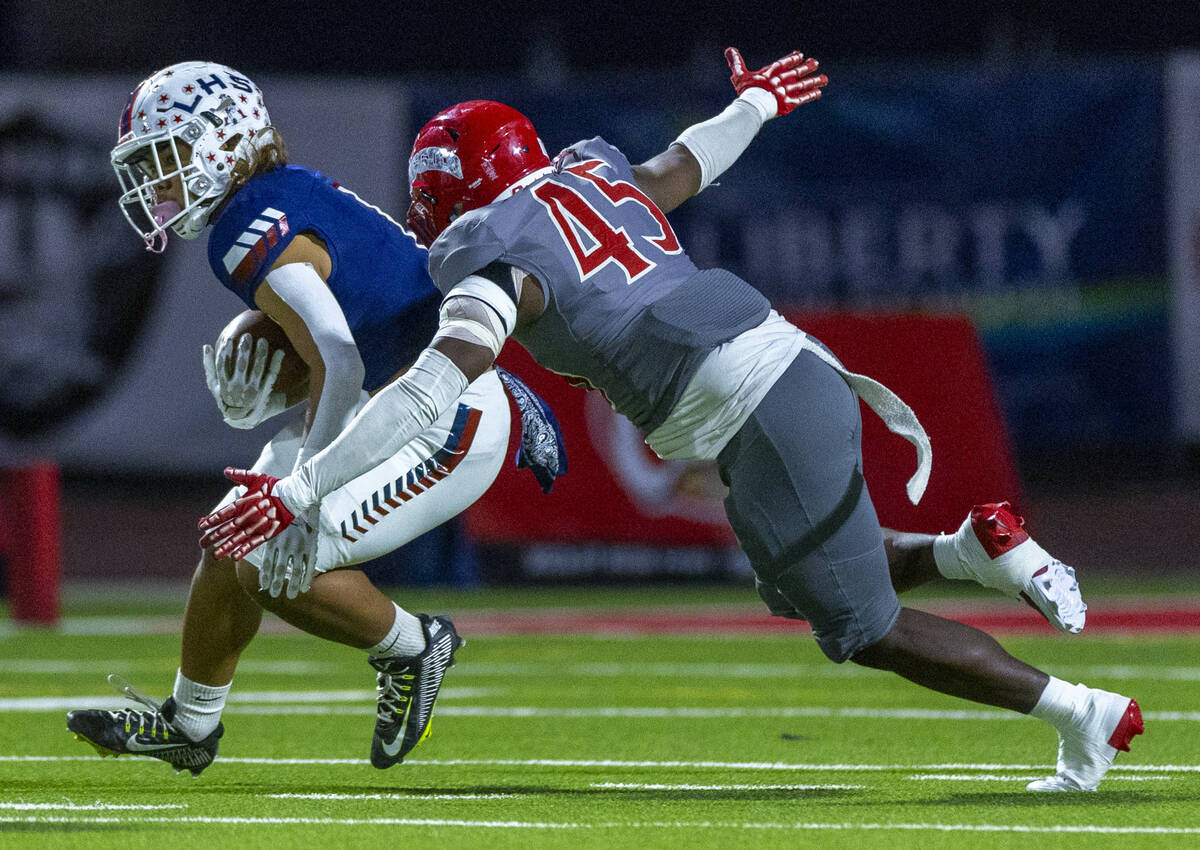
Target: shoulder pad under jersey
(463, 248)
(595, 148)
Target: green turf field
(745, 740)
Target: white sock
(406, 637)
(197, 707)
(946, 557)
(1057, 703)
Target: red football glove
(240, 527)
(790, 79)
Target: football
(293, 373)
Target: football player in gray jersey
(575, 259)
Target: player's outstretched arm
(397, 414)
(476, 318)
(703, 151)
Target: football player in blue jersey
(576, 260)
(349, 286)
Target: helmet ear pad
(464, 158)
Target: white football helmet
(216, 114)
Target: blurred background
(995, 208)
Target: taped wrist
(718, 142)
(390, 420)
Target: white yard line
(237, 699)
(59, 666)
(1140, 672)
(657, 786)
(358, 702)
(87, 807)
(615, 763)
(994, 777)
(1085, 829)
(393, 796)
(599, 669)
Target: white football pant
(429, 481)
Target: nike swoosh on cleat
(394, 747)
(136, 746)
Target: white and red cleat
(992, 548)
(1102, 724)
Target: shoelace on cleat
(154, 717)
(394, 693)
(132, 719)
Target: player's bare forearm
(472, 360)
(670, 178)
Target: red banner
(617, 491)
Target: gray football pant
(801, 511)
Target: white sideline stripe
(655, 786)
(82, 807)
(994, 777)
(787, 671)
(1090, 829)
(784, 711)
(90, 626)
(718, 765)
(313, 702)
(392, 796)
(286, 698)
(158, 624)
(58, 666)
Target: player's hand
(239, 528)
(792, 80)
(290, 560)
(241, 380)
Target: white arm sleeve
(718, 142)
(399, 412)
(302, 289)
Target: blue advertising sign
(1030, 199)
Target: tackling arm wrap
(300, 287)
(718, 142)
(478, 311)
(396, 415)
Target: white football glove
(243, 391)
(290, 559)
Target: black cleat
(131, 731)
(406, 690)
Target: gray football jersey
(627, 311)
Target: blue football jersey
(378, 277)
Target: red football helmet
(464, 158)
